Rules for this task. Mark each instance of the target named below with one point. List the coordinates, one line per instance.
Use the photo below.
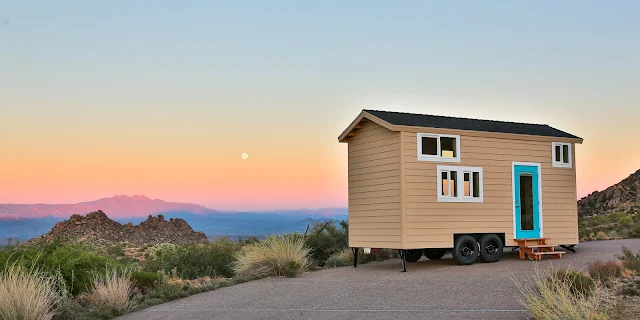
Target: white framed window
(438, 147)
(561, 153)
(460, 184)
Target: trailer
(426, 185)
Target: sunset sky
(162, 98)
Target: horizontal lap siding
(374, 188)
(430, 223)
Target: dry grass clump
(112, 291)
(275, 256)
(553, 295)
(27, 294)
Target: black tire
(413, 255)
(434, 254)
(490, 248)
(465, 251)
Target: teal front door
(526, 196)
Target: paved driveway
(378, 290)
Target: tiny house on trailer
(427, 184)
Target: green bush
(193, 261)
(326, 239)
(115, 250)
(145, 280)
(577, 282)
(630, 259)
(76, 263)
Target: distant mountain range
(25, 221)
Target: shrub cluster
(326, 239)
(605, 271)
(193, 261)
(77, 264)
(609, 226)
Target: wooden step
(540, 246)
(548, 253)
(538, 255)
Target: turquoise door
(527, 205)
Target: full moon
(244, 156)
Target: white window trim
(438, 157)
(560, 164)
(460, 184)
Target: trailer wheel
(413, 255)
(490, 248)
(434, 254)
(465, 251)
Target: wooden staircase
(536, 248)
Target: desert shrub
(340, 259)
(115, 250)
(325, 239)
(631, 287)
(111, 291)
(630, 259)
(249, 240)
(68, 309)
(27, 294)
(604, 271)
(577, 282)
(168, 287)
(143, 279)
(193, 261)
(76, 263)
(609, 226)
(275, 256)
(554, 296)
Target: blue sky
(122, 74)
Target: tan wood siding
(374, 188)
(430, 223)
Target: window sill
(561, 165)
(438, 159)
(472, 200)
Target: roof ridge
(462, 118)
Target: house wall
(430, 223)
(374, 188)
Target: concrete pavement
(438, 289)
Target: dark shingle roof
(429, 121)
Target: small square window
(430, 146)
(438, 147)
(448, 147)
(561, 155)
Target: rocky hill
(621, 197)
(97, 229)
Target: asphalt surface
(438, 289)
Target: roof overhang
(356, 124)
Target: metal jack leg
(355, 257)
(403, 256)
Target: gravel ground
(429, 290)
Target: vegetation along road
(430, 289)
